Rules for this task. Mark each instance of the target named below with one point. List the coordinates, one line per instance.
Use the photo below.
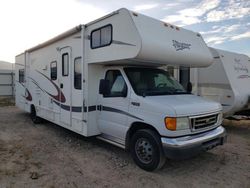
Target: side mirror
(189, 87)
(104, 87)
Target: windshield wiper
(180, 91)
(153, 93)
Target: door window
(117, 84)
(53, 70)
(65, 64)
(78, 73)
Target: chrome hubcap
(144, 150)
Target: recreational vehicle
(102, 79)
(226, 81)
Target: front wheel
(146, 150)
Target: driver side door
(114, 106)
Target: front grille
(204, 121)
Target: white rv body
(48, 82)
(226, 81)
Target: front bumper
(187, 146)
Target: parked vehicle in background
(225, 81)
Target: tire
(146, 150)
(34, 118)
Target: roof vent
(165, 24)
(135, 14)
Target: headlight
(220, 118)
(174, 124)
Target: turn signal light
(170, 123)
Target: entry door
(113, 117)
(65, 86)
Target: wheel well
(135, 127)
(32, 107)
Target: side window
(101, 37)
(21, 75)
(65, 64)
(53, 70)
(78, 73)
(117, 84)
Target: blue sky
(224, 24)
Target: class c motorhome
(102, 79)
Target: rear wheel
(146, 150)
(35, 119)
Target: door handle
(61, 85)
(135, 103)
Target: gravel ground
(47, 155)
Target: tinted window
(65, 64)
(117, 84)
(21, 75)
(146, 81)
(78, 73)
(53, 70)
(101, 37)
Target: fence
(7, 83)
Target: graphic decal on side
(60, 96)
(94, 108)
(243, 76)
(27, 95)
(241, 69)
(58, 100)
(180, 45)
(114, 42)
(110, 109)
(67, 108)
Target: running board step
(111, 142)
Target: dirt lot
(47, 155)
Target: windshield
(151, 82)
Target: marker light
(170, 123)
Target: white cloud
(216, 39)
(145, 7)
(222, 29)
(234, 9)
(170, 6)
(226, 37)
(241, 36)
(192, 15)
(181, 20)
